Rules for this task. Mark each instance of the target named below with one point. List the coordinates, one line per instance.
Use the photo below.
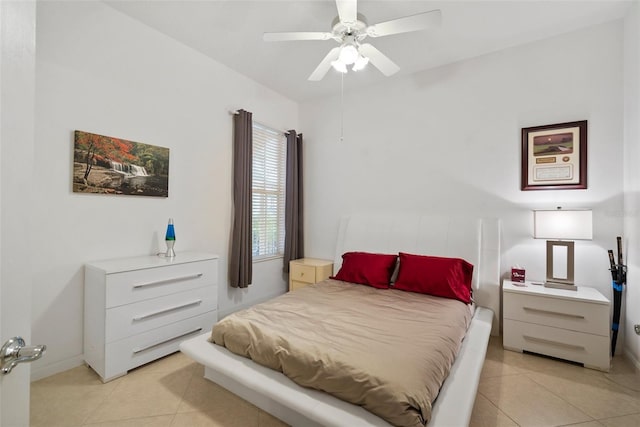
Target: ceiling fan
(349, 29)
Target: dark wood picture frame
(554, 157)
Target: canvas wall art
(107, 165)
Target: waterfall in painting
(128, 169)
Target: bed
(473, 239)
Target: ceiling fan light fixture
(349, 29)
(339, 66)
(348, 54)
(360, 63)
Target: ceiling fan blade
(285, 37)
(379, 60)
(347, 11)
(324, 66)
(418, 22)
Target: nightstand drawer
(293, 285)
(558, 313)
(591, 350)
(303, 273)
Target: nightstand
(570, 325)
(306, 271)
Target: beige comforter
(386, 350)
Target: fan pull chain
(341, 107)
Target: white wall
(448, 141)
(632, 179)
(103, 72)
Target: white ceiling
(230, 31)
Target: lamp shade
(576, 224)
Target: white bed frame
(476, 240)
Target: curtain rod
(234, 112)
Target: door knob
(15, 351)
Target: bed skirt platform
(276, 394)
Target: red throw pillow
(442, 277)
(367, 269)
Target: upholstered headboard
(476, 240)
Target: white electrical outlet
(637, 329)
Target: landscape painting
(557, 143)
(107, 165)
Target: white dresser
(139, 309)
(570, 325)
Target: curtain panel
(294, 224)
(240, 259)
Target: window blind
(268, 191)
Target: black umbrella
(619, 277)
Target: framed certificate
(554, 157)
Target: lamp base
(556, 285)
(170, 252)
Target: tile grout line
(104, 398)
(186, 389)
(498, 408)
(561, 398)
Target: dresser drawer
(303, 273)
(132, 319)
(572, 315)
(137, 350)
(591, 350)
(132, 286)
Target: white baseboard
(39, 372)
(631, 358)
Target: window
(268, 192)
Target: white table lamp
(560, 227)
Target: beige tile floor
(515, 390)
